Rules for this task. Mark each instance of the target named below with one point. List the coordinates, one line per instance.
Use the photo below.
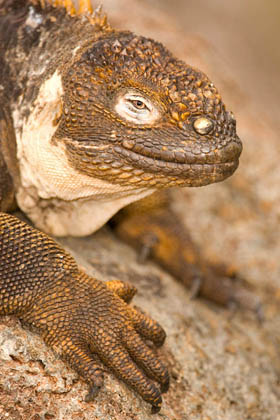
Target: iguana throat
(56, 197)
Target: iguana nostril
(203, 125)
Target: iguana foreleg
(86, 321)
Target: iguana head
(133, 114)
(109, 120)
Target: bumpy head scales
(134, 114)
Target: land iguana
(91, 120)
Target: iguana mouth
(133, 165)
(187, 154)
(197, 170)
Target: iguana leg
(87, 322)
(152, 227)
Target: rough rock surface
(223, 367)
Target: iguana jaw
(153, 162)
(128, 168)
(182, 174)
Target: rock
(222, 366)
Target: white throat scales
(57, 198)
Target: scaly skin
(91, 113)
(42, 285)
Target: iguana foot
(155, 231)
(86, 321)
(94, 326)
(219, 285)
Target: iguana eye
(136, 108)
(138, 104)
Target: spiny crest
(96, 17)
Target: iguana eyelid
(127, 110)
(130, 102)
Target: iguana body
(93, 119)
